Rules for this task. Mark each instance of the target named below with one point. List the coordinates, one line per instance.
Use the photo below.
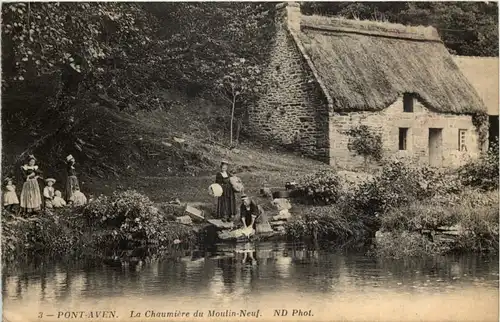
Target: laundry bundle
(236, 183)
(215, 190)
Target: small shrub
(365, 142)
(483, 172)
(319, 188)
(398, 184)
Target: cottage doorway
(435, 147)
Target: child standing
(49, 193)
(10, 197)
(58, 201)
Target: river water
(265, 282)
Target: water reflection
(245, 270)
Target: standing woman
(226, 204)
(71, 180)
(31, 198)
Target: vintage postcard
(249, 161)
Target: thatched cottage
(482, 73)
(327, 76)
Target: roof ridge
(365, 25)
(476, 57)
(373, 33)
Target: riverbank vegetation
(106, 226)
(410, 209)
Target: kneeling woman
(31, 198)
(249, 212)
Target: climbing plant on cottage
(365, 142)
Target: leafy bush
(54, 232)
(398, 184)
(483, 172)
(319, 188)
(130, 218)
(365, 142)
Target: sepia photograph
(249, 161)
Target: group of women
(31, 196)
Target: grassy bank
(469, 224)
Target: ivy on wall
(365, 142)
(481, 122)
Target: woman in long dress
(71, 180)
(31, 198)
(226, 204)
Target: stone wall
(293, 111)
(388, 121)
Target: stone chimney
(292, 15)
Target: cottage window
(408, 101)
(403, 137)
(462, 146)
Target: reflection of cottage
(330, 75)
(482, 73)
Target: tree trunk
(232, 121)
(238, 130)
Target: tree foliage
(467, 28)
(239, 86)
(203, 38)
(43, 37)
(61, 61)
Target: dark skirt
(71, 184)
(226, 204)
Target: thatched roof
(367, 65)
(482, 73)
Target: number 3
(40, 315)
